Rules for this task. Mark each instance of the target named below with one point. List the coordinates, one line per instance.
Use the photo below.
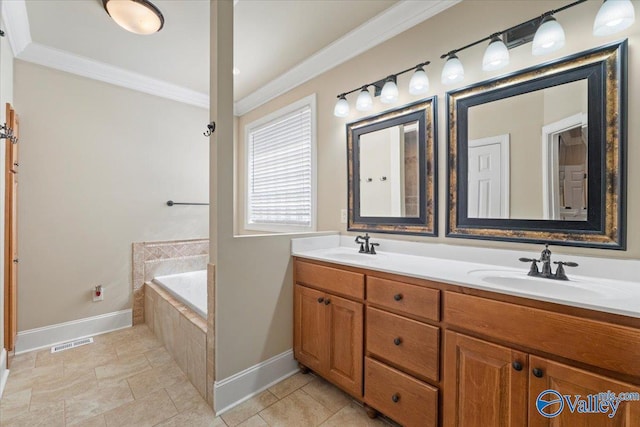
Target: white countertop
(596, 293)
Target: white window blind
(280, 175)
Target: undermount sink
(519, 281)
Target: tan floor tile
(14, 404)
(158, 357)
(88, 357)
(146, 412)
(297, 409)
(291, 384)
(155, 379)
(27, 378)
(96, 401)
(185, 396)
(123, 368)
(54, 389)
(200, 417)
(330, 396)
(97, 421)
(353, 415)
(46, 358)
(140, 342)
(51, 416)
(249, 408)
(23, 361)
(255, 421)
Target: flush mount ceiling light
(613, 16)
(137, 16)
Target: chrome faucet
(545, 259)
(365, 246)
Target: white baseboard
(35, 339)
(4, 372)
(244, 385)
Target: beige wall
(98, 162)
(453, 28)
(6, 95)
(254, 288)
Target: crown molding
(16, 21)
(64, 61)
(395, 20)
(15, 16)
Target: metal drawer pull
(320, 300)
(397, 297)
(395, 398)
(537, 372)
(517, 366)
(397, 341)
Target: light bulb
(389, 92)
(613, 16)
(342, 107)
(419, 83)
(364, 101)
(453, 71)
(549, 37)
(496, 56)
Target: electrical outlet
(343, 216)
(98, 293)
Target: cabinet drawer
(399, 396)
(333, 280)
(408, 344)
(404, 298)
(596, 343)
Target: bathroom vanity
(428, 352)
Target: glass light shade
(549, 37)
(496, 56)
(137, 16)
(364, 101)
(453, 71)
(419, 83)
(342, 108)
(389, 93)
(613, 16)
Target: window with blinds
(280, 170)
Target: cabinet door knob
(395, 398)
(397, 297)
(327, 301)
(517, 366)
(537, 372)
(320, 300)
(397, 341)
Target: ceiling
(271, 38)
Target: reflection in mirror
(389, 172)
(512, 172)
(392, 171)
(539, 155)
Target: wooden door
(485, 384)
(569, 381)
(309, 343)
(345, 343)
(11, 236)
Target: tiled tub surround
(189, 288)
(151, 259)
(463, 265)
(182, 332)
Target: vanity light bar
(545, 32)
(386, 87)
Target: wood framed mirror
(539, 155)
(392, 171)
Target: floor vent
(72, 344)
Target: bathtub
(190, 288)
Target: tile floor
(126, 378)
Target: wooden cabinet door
(345, 342)
(309, 343)
(570, 381)
(483, 384)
